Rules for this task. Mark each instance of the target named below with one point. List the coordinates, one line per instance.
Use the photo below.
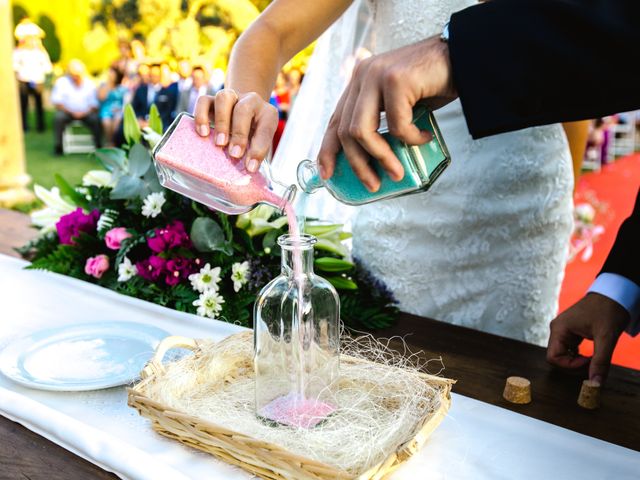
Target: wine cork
(589, 395)
(517, 390)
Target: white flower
(239, 274)
(209, 303)
(126, 270)
(55, 207)
(152, 205)
(151, 136)
(207, 279)
(97, 178)
(585, 212)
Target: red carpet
(614, 188)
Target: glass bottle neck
(289, 261)
(309, 177)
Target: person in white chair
(75, 99)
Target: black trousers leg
(60, 122)
(23, 88)
(92, 122)
(37, 96)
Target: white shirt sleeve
(57, 92)
(622, 291)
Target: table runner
(475, 441)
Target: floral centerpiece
(121, 230)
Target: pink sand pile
(296, 411)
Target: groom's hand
(392, 82)
(595, 317)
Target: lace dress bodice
(486, 246)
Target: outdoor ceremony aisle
(612, 191)
(477, 440)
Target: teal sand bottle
(422, 165)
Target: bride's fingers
(225, 102)
(363, 128)
(204, 105)
(265, 125)
(399, 110)
(242, 117)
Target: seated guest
(111, 95)
(74, 97)
(199, 86)
(184, 75)
(159, 90)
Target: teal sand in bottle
(422, 165)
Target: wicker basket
(261, 458)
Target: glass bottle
(297, 340)
(422, 165)
(196, 168)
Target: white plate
(81, 357)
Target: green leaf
(151, 179)
(155, 122)
(126, 188)
(111, 158)
(139, 160)
(131, 128)
(270, 239)
(329, 264)
(69, 191)
(207, 236)
(317, 230)
(342, 283)
(332, 247)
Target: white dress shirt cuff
(623, 291)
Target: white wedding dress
(486, 246)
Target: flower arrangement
(589, 221)
(120, 229)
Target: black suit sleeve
(624, 258)
(521, 63)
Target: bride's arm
(241, 112)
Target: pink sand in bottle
(187, 152)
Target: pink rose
(96, 266)
(115, 236)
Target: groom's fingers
(363, 128)
(357, 156)
(330, 143)
(399, 110)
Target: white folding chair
(592, 159)
(77, 139)
(623, 138)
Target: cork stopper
(517, 390)
(589, 395)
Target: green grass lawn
(42, 164)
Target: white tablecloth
(476, 440)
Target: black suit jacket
(521, 63)
(166, 100)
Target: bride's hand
(394, 82)
(244, 123)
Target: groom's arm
(523, 63)
(611, 306)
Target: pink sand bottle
(196, 168)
